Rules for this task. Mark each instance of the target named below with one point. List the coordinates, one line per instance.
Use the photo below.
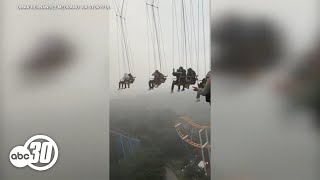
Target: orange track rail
(189, 121)
(186, 137)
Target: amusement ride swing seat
(190, 80)
(161, 80)
(155, 45)
(131, 80)
(186, 81)
(189, 44)
(153, 83)
(126, 82)
(125, 57)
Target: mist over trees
(159, 145)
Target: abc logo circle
(19, 156)
(40, 153)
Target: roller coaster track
(189, 121)
(186, 136)
(185, 129)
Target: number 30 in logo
(40, 153)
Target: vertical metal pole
(122, 146)
(209, 152)
(204, 162)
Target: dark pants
(178, 84)
(121, 83)
(151, 84)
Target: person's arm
(173, 71)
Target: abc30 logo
(40, 153)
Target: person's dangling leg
(188, 86)
(153, 84)
(198, 96)
(119, 84)
(149, 84)
(172, 86)
(183, 83)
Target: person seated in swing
(180, 76)
(206, 90)
(183, 79)
(152, 82)
(124, 81)
(158, 78)
(202, 83)
(131, 78)
(162, 78)
(191, 77)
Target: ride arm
(176, 73)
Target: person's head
(180, 68)
(156, 71)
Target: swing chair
(156, 42)
(124, 51)
(157, 81)
(186, 40)
(123, 83)
(186, 80)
